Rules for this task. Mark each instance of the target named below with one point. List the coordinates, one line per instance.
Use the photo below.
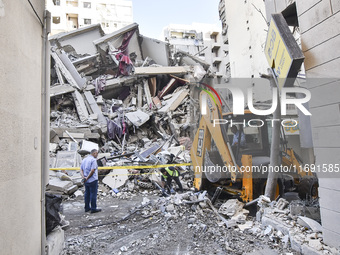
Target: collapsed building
(123, 94)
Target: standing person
(89, 172)
(170, 173)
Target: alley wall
(20, 111)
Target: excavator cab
(233, 152)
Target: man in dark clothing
(89, 172)
(168, 174)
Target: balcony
(215, 46)
(217, 60)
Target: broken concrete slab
(87, 146)
(231, 207)
(137, 118)
(116, 178)
(159, 51)
(81, 39)
(71, 189)
(175, 101)
(61, 90)
(67, 159)
(247, 225)
(171, 84)
(81, 81)
(80, 106)
(63, 69)
(151, 70)
(58, 185)
(94, 107)
(147, 94)
(309, 223)
(78, 193)
(112, 42)
(73, 136)
(63, 177)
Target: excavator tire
(308, 188)
(144, 185)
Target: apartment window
(72, 3)
(56, 2)
(56, 20)
(87, 21)
(87, 5)
(115, 24)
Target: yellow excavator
(240, 165)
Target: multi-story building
(68, 15)
(317, 31)
(318, 24)
(201, 40)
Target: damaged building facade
(204, 41)
(317, 25)
(123, 94)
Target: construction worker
(168, 174)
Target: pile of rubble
(123, 94)
(190, 222)
(287, 222)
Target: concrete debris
(123, 95)
(116, 178)
(231, 208)
(78, 193)
(309, 223)
(282, 203)
(303, 234)
(58, 185)
(63, 177)
(301, 208)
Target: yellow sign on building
(282, 52)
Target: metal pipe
(45, 113)
(275, 144)
(252, 202)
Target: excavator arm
(206, 133)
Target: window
(56, 20)
(56, 2)
(87, 5)
(87, 21)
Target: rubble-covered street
(144, 223)
(134, 102)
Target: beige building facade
(319, 27)
(21, 143)
(68, 15)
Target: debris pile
(123, 94)
(283, 222)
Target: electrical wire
(36, 14)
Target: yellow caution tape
(121, 167)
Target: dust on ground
(148, 224)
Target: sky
(153, 15)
